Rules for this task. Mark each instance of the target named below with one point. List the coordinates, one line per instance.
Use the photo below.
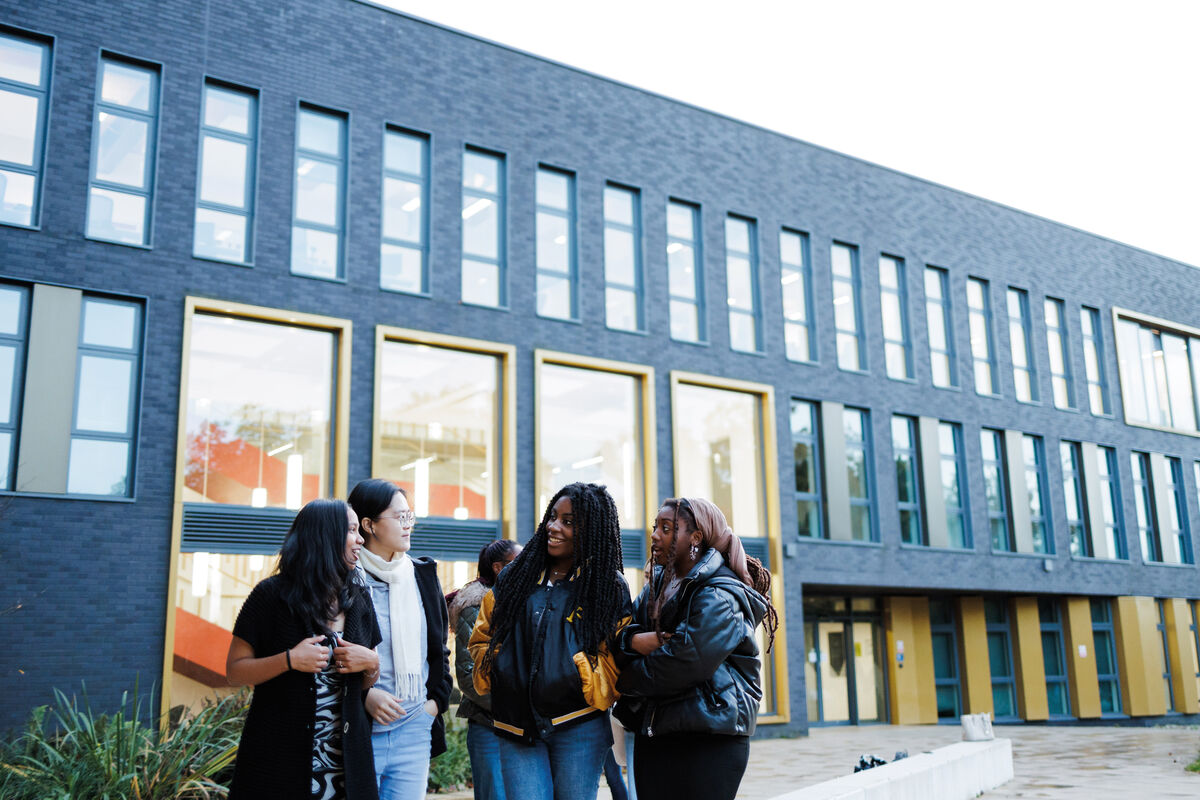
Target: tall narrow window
(228, 150)
(1110, 503)
(847, 306)
(1165, 656)
(1000, 660)
(1035, 483)
(994, 480)
(806, 450)
(404, 246)
(1060, 354)
(24, 87)
(1077, 525)
(906, 452)
(1176, 528)
(941, 336)
(1104, 643)
(124, 134)
(557, 268)
(893, 302)
(623, 289)
(484, 277)
(795, 275)
(103, 432)
(741, 282)
(14, 324)
(983, 349)
(319, 206)
(953, 491)
(944, 636)
(859, 471)
(1054, 659)
(1024, 373)
(1144, 506)
(684, 272)
(1195, 629)
(1093, 361)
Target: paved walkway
(1072, 763)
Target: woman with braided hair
(541, 648)
(690, 668)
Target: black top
(275, 754)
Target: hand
(646, 643)
(310, 655)
(349, 657)
(431, 708)
(384, 708)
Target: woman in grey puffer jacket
(690, 668)
(476, 709)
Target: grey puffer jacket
(706, 677)
(464, 610)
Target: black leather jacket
(706, 677)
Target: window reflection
(259, 406)
(438, 429)
(718, 453)
(590, 429)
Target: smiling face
(667, 545)
(560, 532)
(391, 531)
(354, 540)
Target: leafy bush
(66, 751)
(452, 769)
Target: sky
(1087, 113)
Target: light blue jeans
(402, 757)
(566, 766)
(483, 745)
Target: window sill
(805, 362)
(863, 372)
(839, 542)
(19, 226)
(469, 304)
(119, 243)
(340, 280)
(634, 332)
(912, 381)
(1051, 556)
(755, 353)
(101, 498)
(211, 260)
(931, 549)
(1099, 560)
(1169, 564)
(692, 342)
(947, 388)
(405, 293)
(568, 320)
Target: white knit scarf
(403, 603)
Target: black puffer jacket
(706, 677)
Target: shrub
(452, 769)
(67, 751)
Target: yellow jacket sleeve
(481, 636)
(599, 679)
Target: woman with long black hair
(304, 640)
(690, 669)
(541, 648)
(413, 690)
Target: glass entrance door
(845, 663)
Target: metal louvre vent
(759, 547)
(449, 539)
(633, 548)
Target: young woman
(540, 647)
(482, 746)
(413, 689)
(690, 684)
(304, 640)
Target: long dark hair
(597, 556)
(492, 552)
(312, 562)
(760, 576)
(371, 497)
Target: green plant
(452, 769)
(1194, 766)
(67, 751)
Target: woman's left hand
(350, 657)
(431, 708)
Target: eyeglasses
(404, 517)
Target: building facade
(251, 254)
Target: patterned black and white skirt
(328, 768)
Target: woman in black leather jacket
(690, 680)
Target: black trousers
(691, 765)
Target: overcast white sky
(1084, 112)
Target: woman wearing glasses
(413, 689)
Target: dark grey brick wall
(91, 577)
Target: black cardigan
(275, 754)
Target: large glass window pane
(220, 235)
(117, 216)
(126, 85)
(320, 132)
(1061, 379)
(439, 428)
(938, 321)
(483, 266)
(797, 301)
(18, 127)
(109, 324)
(718, 442)
(953, 491)
(24, 87)
(228, 110)
(1024, 374)
(590, 429)
(741, 283)
(228, 144)
(103, 394)
(847, 311)
(806, 455)
(557, 277)
(319, 194)
(894, 308)
(979, 312)
(685, 276)
(21, 61)
(259, 412)
(98, 467)
(223, 171)
(859, 473)
(315, 253)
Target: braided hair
(760, 576)
(597, 557)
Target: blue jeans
(483, 745)
(402, 757)
(566, 766)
